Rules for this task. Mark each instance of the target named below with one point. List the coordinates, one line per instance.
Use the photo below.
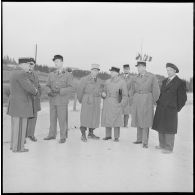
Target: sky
(109, 34)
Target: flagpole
(141, 48)
(35, 53)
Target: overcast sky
(109, 34)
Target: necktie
(168, 81)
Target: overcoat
(21, 89)
(62, 81)
(146, 92)
(33, 77)
(128, 79)
(89, 95)
(172, 99)
(112, 111)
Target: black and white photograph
(97, 97)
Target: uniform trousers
(143, 135)
(31, 123)
(18, 132)
(58, 112)
(116, 132)
(166, 141)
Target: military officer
(59, 87)
(128, 79)
(145, 89)
(20, 103)
(115, 99)
(89, 95)
(171, 101)
(31, 122)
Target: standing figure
(145, 93)
(59, 87)
(20, 103)
(115, 99)
(172, 99)
(89, 95)
(31, 122)
(128, 79)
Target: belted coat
(146, 92)
(89, 95)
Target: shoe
(62, 141)
(137, 142)
(92, 136)
(116, 140)
(158, 147)
(83, 138)
(32, 138)
(106, 138)
(145, 146)
(49, 138)
(166, 151)
(24, 150)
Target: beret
(115, 69)
(172, 66)
(58, 57)
(126, 66)
(141, 63)
(25, 60)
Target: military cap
(126, 66)
(141, 63)
(58, 57)
(172, 66)
(115, 69)
(95, 66)
(25, 60)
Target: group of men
(122, 94)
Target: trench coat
(146, 92)
(171, 101)
(89, 95)
(21, 90)
(128, 79)
(112, 111)
(33, 77)
(63, 81)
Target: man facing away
(20, 103)
(59, 87)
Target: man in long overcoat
(128, 79)
(171, 101)
(115, 94)
(31, 122)
(20, 103)
(59, 87)
(89, 95)
(146, 92)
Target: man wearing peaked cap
(172, 99)
(127, 77)
(20, 103)
(115, 99)
(89, 95)
(59, 88)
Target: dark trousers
(116, 132)
(83, 129)
(31, 123)
(126, 118)
(166, 141)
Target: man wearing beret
(59, 88)
(145, 94)
(89, 95)
(20, 103)
(128, 79)
(115, 99)
(31, 122)
(172, 99)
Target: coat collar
(170, 83)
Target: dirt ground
(98, 165)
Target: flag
(138, 56)
(150, 58)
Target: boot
(91, 135)
(83, 137)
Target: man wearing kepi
(31, 122)
(59, 87)
(20, 103)
(128, 79)
(115, 99)
(145, 93)
(171, 101)
(89, 95)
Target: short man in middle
(89, 95)
(115, 99)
